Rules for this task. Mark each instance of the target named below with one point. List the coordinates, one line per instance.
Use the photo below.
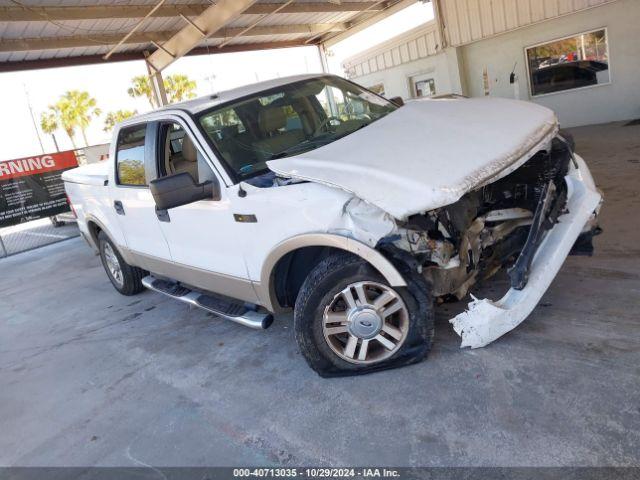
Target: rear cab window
(130, 154)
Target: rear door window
(177, 153)
(130, 152)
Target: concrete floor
(88, 377)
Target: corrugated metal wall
(465, 21)
(469, 20)
(418, 43)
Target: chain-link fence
(35, 234)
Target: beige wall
(471, 20)
(417, 52)
(409, 47)
(397, 80)
(460, 69)
(619, 100)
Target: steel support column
(158, 92)
(322, 53)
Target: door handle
(117, 204)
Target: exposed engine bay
(499, 225)
(526, 222)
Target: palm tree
(49, 124)
(60, 115)
(118, 116)
(179, 87)
(78, 108)
(141, 87)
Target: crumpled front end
(527, 222)
(487, 320)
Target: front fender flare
(370, 255)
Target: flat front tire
(348, 320)
(125, 278)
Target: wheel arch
(315, 246)
(94, 227)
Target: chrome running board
(215, 304)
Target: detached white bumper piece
(487, 320)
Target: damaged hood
(428, 153)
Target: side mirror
(398, 101)
(180, 189)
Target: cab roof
(200, 104)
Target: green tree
(59, 115)
(141, 87)
(75, 109)
(178, 87)
(131, 173)
(78, 108)
(115, 117)
(49, 123)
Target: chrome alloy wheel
(113, 264)
(365, 323)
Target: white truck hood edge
(428, 153)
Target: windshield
(289, 120)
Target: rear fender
(92, 238)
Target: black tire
(131, 276)
(330, 277)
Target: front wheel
(125, 278)
(349, 320)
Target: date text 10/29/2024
(316, 472)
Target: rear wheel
(349, 320)
(125, 278)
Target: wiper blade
(299, 148)
(287, 151)
(275, 156)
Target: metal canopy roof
(50, 33)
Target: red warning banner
(32, 187)
(36, 165)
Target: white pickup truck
(314, 194)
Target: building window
(423, 86)
(130, 156)
(377, 88)
(566, 64)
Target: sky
(109, 82)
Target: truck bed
(88, 190)
(94, 174)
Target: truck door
(132, 200)
(202, 236)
